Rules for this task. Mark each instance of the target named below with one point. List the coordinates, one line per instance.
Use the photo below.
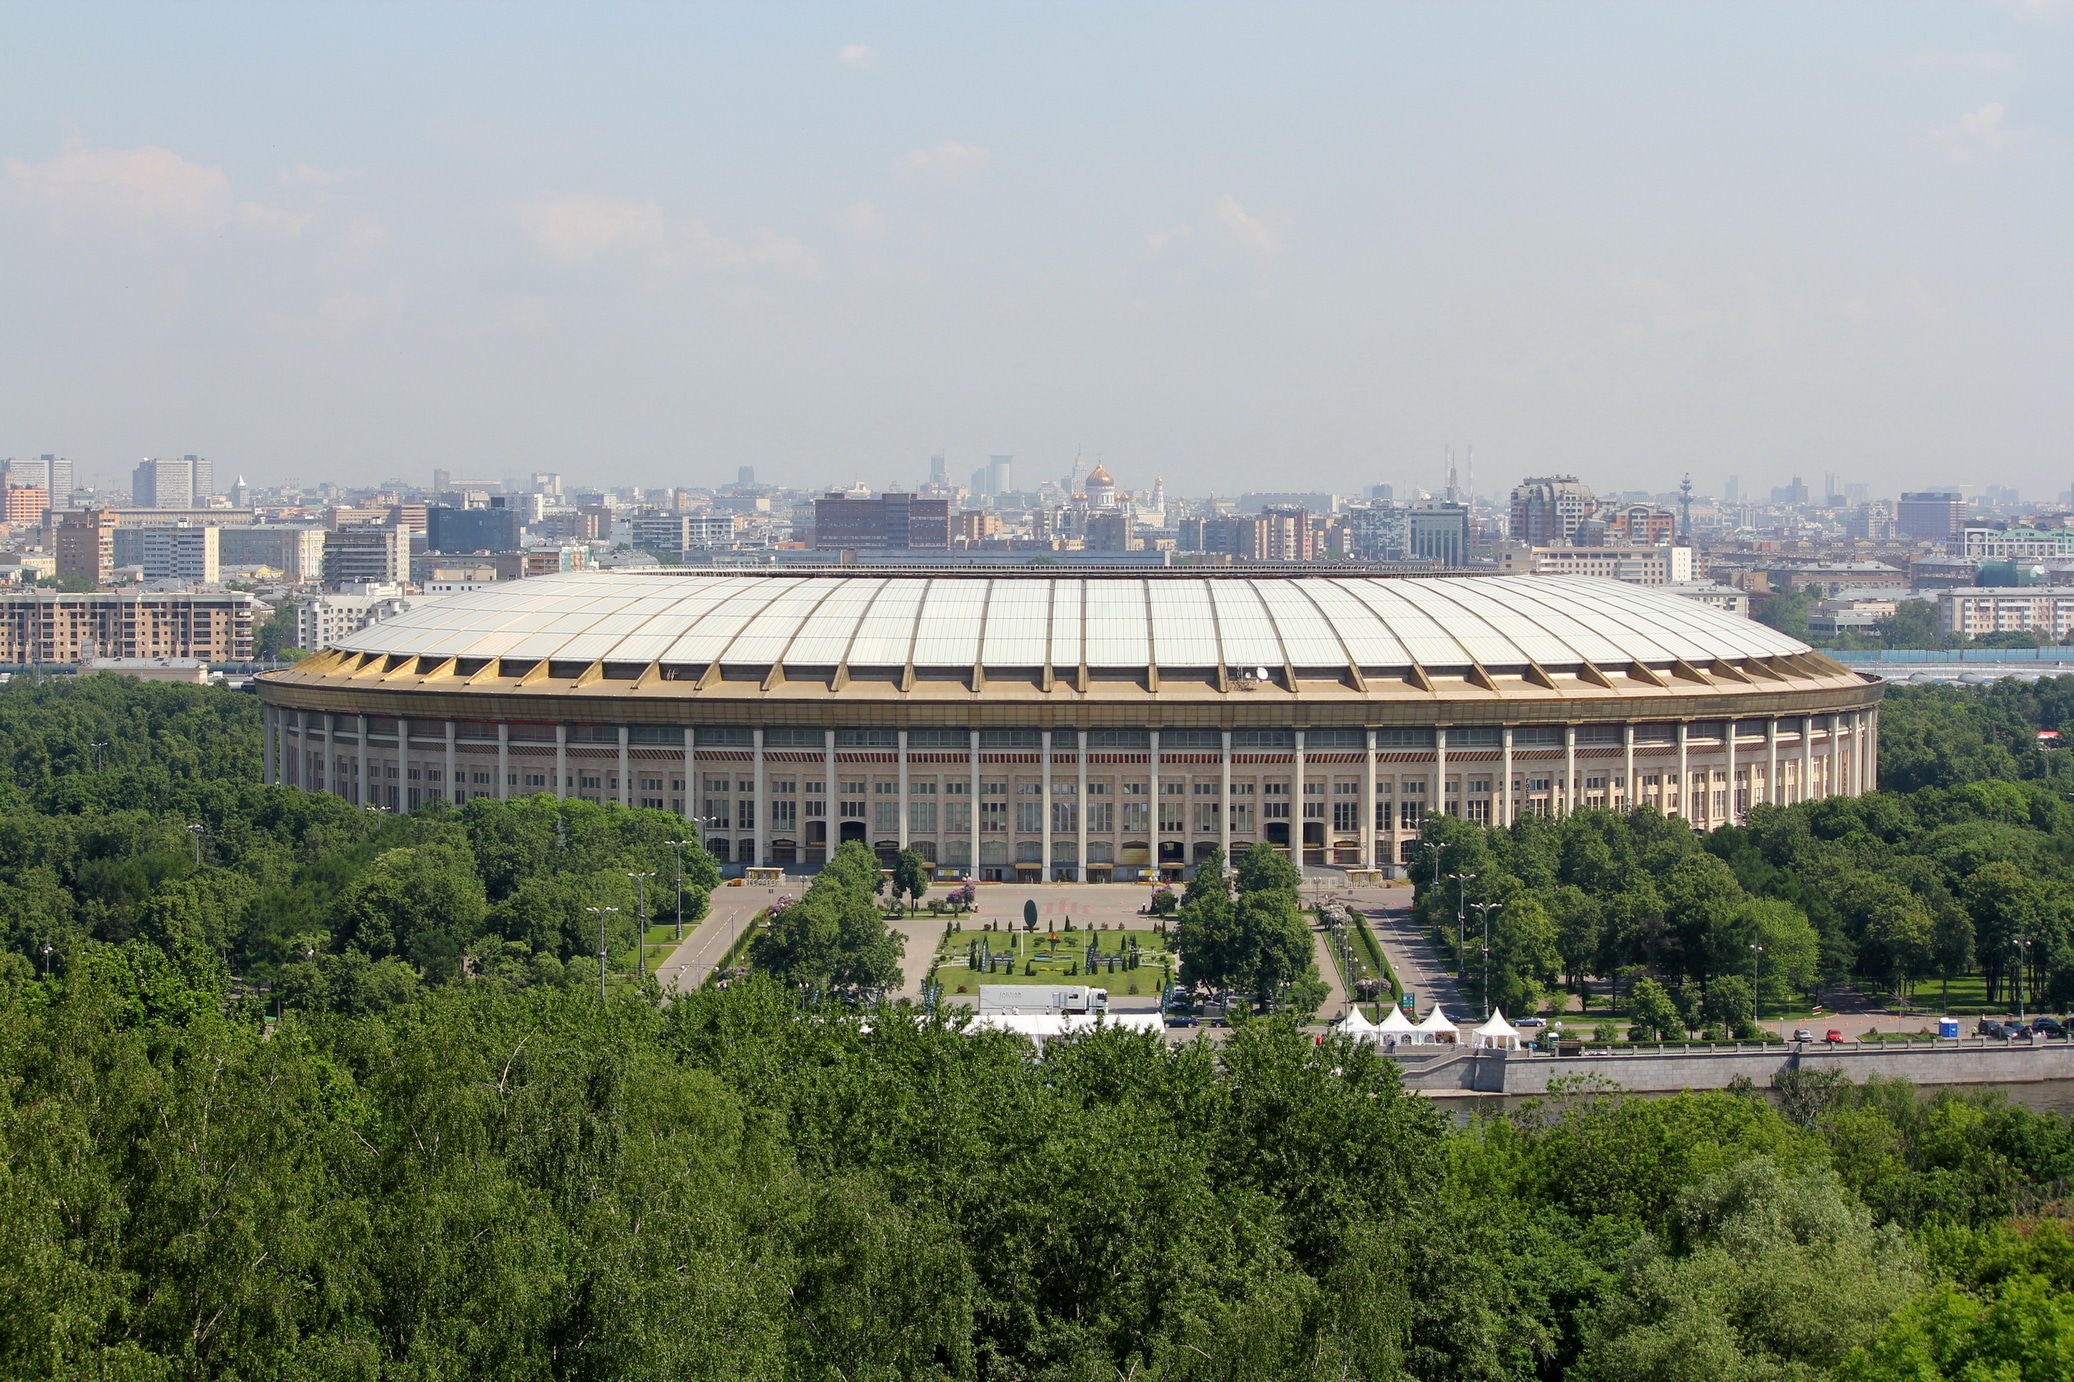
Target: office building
(1546, 511)
(175, 482)
(886, 521)
(322, 622)
(25, 504)
(1931, 515)
(1634, 565)
(171, 552)
(1439, 532)
(296, 552)
(366, 554)
(1092, 725)
(492, 529)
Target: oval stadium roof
(991, 620)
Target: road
(698, 954)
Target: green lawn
(1054, 964)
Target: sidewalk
(699, 953)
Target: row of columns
(1851, 761)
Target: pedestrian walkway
(1418, 965)
(695, 957)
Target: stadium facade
(1086, 726)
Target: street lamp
(2023, 947)
(197, 831)
(641, 920)
(1756, 955)
(1483, 911)
(99, 744)
(678, 845)
(1461, 881)
(601, 913)
(46, 960)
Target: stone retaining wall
(1652, 1071)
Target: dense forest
(450, 1157)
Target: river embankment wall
(1446, 1070)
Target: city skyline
(1741, 240)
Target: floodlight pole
(1462, 882)
(641, 920)
(1756, 956)
(601, 913)
(678, 845)
(1484, 910)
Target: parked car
(1989, 1027)
(1181, 1019)
(2045, 1026)
(1527, 1022)
(1834, 1036)
(1803, 1034)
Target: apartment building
(53, 628)
(2046, 610)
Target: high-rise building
(1378, 531)
(173, 482)
(886, 521)
(296, 552)
(1930, 514)
(366, 553)
(939, 473)
(1546, 511)
(494, 529)
(745, 477)
(49, 473)
(26, 503)
(178, 552)
(86, 545)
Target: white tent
(1497, 1032)
(1396, 1026)
(1436, 1027)
(1356, 1025)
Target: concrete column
(830, 798)
(1440, 770)
(972, 761)
(1861, 756)
(329, 770)
(691, 781)
(1569, 770)
(361, 789)
(1807, 758)
(625, 782)
(1729, 735)
(1152, 813)
(1302, 804)
(1080, 813)
(561, 761)
(1628, 794)
(759, 813)
(1771, 761)
(1872, 748)
(451, 794)
(1505, 765)
(1044, 856)
(266, 744)
(903, 789)
(504, 760)
(1684, 777)
(1368, 807)
(1224, 808)
(403, 765)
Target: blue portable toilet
(1948, 1026)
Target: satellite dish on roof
(1260, 674)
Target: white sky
(1271, 247)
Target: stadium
(1079, 727)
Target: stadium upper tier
(1169, 635)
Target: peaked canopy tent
(1497, 1033)
(1438, 1026)
(1396, 1026)
(1356, 1024)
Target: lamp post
(2023, 947)
(99, 744)
(197, 831)
(641, 921)
(1756, 956)
(601, 913)
(1462, 882)
(1483, 912)
(46, 960)
(678, 845)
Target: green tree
(834, 939)
(1766, 1275)
(1652, 1016)
(422, 904)
(910, 877)
(1524, 955)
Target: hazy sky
(1262, 247)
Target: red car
(1833, 1036)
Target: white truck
(1033, 999)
